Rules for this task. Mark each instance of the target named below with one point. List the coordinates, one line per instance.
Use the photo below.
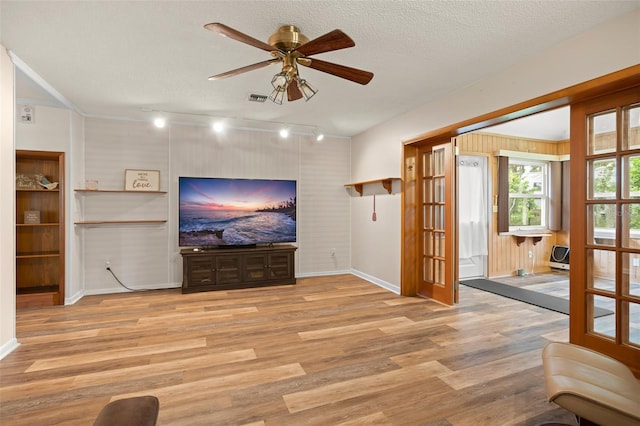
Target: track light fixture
(219, 123)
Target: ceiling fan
(292, 48)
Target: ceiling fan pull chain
(373, 216)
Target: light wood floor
(331, 350)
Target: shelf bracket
(387, 183)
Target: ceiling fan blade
(237, 35)
(333, 40)
(293, 91)
(244, 69)
(353, 74)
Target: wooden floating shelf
(359, 186)
(37, 190)
(116, 222)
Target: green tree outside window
(527, 193)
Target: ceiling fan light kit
(277, 96)
(292, 48)
(306, 89)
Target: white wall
(8, 340)
(147, 256)
(50, 130)
(138, 253)
(75, 173)
(377, 153)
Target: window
(528, 194)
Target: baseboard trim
(114, 290)
(387, 286)
(73, 299)
(8, 347)
(321, 274)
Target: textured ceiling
(122, 59)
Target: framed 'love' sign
(141, 180)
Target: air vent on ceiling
(257, 98)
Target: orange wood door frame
(627, 78)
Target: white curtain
(472, 211)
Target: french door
(436, 219)
(605, 225)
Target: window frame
(543, 197)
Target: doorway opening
(533, 149)
(473, 216)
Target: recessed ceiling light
(284, 133)
(217, 126)
(159, 123)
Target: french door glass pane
(631, 176)
(439, 244)
(427, 269)
(601, 270)
(602, 133)
(602, 182)
(631, 225)
(631, 274)
(602, 224)
(604, 325)
(427, 217)
(427, 195)
(438, 162)
(428, 243)
(438, 217)
(426, 165)
(438, 189)
(634, 323)
(631, 124)
(438, 277)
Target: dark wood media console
(230, 268)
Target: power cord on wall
(128, 288)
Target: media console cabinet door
(280, 265)
(255, 267)
(198, 270)
(228, 269)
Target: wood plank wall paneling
(147, 256)
(138, 253)
(324, 208)
(505, 256)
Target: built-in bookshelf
(40, 241)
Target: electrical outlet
(530, 254)
(635, 261)
(107, 264)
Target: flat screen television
(225, 212)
